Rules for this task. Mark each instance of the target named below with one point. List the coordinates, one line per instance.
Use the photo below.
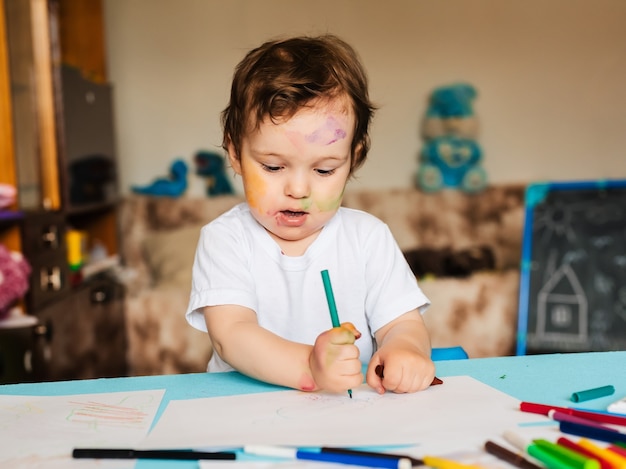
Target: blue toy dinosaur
(173, 186)
(211, 166)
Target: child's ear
(233, 158)
(357, 156)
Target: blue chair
(448, 353)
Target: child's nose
(298, 187)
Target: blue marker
(382, 461)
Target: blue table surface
(549, 379)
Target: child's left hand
(400, 371)
(404, 355)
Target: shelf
(85, 209)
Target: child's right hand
(334, 360)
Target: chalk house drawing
(562, 309)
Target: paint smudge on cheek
(330, 204)
(255, 186)
(305, 204)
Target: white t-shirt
(237, 262)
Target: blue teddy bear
(451, 112)
(451, 161)
(451, 156)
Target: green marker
(568, 457)
(330, 298)
(332, 307)
(548, 459)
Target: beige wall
(551, 77)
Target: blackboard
(573, 273)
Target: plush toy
(451, 112)
(173, 186)
(14, 272)
(452, 162)
(8, 194)
(451, 157)
(211, 166)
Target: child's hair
(278, 78)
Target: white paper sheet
(41, 431)
(461, 413)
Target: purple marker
(563, 417)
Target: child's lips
(293, 218)
(293, 213)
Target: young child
(296, 129)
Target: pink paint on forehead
(329, 133)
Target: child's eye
(271, 168)
(325, 172)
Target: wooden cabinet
(57, 147)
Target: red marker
(601, 417)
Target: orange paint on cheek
(255, 186)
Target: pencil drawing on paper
(97, 414)
(128, 411)
(321, 404)
(59, 423)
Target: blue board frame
(535, 194)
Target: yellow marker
(613, 458)
(441, 463)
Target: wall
(550, 76)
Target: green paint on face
(305, 204)
(329, 205)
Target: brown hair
(278, 78)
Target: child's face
(294, 171)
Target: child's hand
(400, 370)
(334, 360)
